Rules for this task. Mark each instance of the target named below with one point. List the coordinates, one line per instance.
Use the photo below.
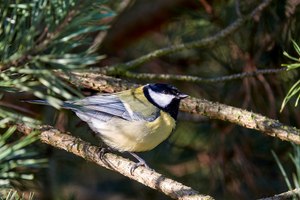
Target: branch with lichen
(204, 107)
(203, 43)
(150, 178)
(241, 117)
(195, 79)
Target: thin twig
(16, 107)
(285, 195)
(206, 42)
(150, 178)
(210, 109)
(196, 79)
(237, 8)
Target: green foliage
(294, 181)
(295, 89)
(18, 162)
(37, 37)
(39, 41)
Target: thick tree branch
(241, 117)
(152, 179)
(206, 42)
(204, 107)
(96, 81)
(285, 195)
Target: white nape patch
(163, 100)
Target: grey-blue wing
(103, 108)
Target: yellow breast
(161, 128)
(137, 136)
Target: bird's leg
(140, 162)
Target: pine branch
(16, 154)
(152, 179)
(47, 36)
(204, 107)
(45, 39)
(206, 42)
(196, 79)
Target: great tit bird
(133, 120)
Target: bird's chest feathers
(155, 132)
(162, 125)
(140, 135)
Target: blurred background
(214, 157)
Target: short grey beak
(182, 96)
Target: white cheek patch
(163, 100)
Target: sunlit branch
(241, 117)
(150, 178)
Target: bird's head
(164, 96)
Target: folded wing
(103, 108)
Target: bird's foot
(103, 151)
(140, 162)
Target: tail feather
(65, 105)
(36, 101)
